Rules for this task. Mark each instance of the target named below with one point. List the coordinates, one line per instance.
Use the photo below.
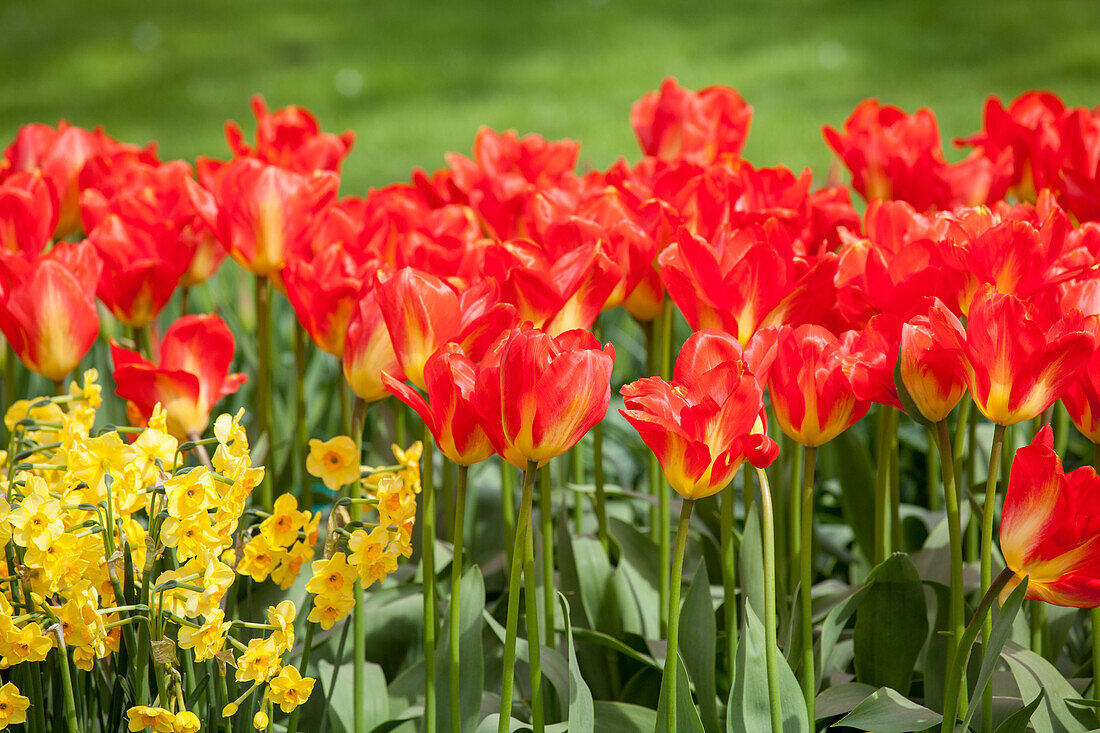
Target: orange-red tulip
(1050, 527)
(28, 214)
(705, 423)
(931, 368)
(1082, 396)
(368, 350)
(324, 290)
(811, 396)
(190, 376)
(675, 122)
(47, 307)
(291, 138)
(538, 395)
(449, 410)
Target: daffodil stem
(729, 576)
(427, 564)
(454, 670)
(805, 578)
(515, 573)
(354, 425)
(301, 432)
(954, 684)
(995, 452)
(263, 381)
(771, 648)
(303, 665)
(956, 609)
(671, 654)
(664, 517)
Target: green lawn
(415, 79)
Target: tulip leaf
(1002, 630)
(833, 626)
(471, 658)
(841, 700)
(638, 573)
(1019, 720)
(622, 717)
(687, 715)
(582, 717)
(847, 459)
(885, 652)
(748, 710)
(698, 638)
(887, 711)
(752, 563)
(1033, 675)
(343, 692)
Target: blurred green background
(415, 79)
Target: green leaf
(471, 658)
(831, 629)
(598, 637)
(886, 711)
(841, 700)
(1033, 675)
(748, 710)
(752, 565)
(554, 666)
(638, 574)
(891, 625)
(581, 714)
(1002, 629)
(621, 717)
(847, 459)
(1018, 721)
(687, 715)
(698, 638)
(377, 705)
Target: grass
(415, 79)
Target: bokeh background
(415, 79)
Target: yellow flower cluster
(286, 539)
(372, 549)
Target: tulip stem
(882, 491)
(664, 516)
(301, 433)
(770, 644)
(427, 565)
(729, 578)
(508, 509)
(671, 653)
(957, 609)
(995, 452)
(185, 300)
(546, 517)
(534, 652)
(1094, 614)
(263, 382)
(805, 578)
(954, 684)
(354, 425)
(456, 587)
(598, 480)
(515, 573)
(9, 376)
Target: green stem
(576, 460)
(1035, 623)
(523, 523)
(664, 515)
(770, 644)
(67, 684)
(954, 685)
(794, 503)
(455, 608)
(353, 424)
(967, 487)
(1094, 614)
(995, 453)
(263, 383)
(893, 478)
(534, 652)
(508, 509)
(301, 432)
(729, 577)
(446, 486)
(427, 560)
(185, 300)
(399, 429)
(805, 578)
(650, 330)
(598, 480)
(956, 609)
(672, 654)
(882, 492)
(546, 517)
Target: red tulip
(290, 138)
(191, 375)
(1082, 396)
(368, 350)
(47, 307)
(449, 410)
(1017, 362)
(930, 367)
(677, 122)
(265, 212)
(538, 395)
(811, 396)
(870, 364)
(705, 423)
(28, 214)
(1050, 527)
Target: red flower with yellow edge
(368, 350)
(28, 214)
(811, 395)
(191, 375)
(449, 411)
(1050, 527)
(871, 362)
(1017, 361)
(538, 395)
(47, 308)
(1082, 396)
(705, 423)
(324, 289)
(930, 368)
(291, 138)
(266, 212)
(675, 122)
